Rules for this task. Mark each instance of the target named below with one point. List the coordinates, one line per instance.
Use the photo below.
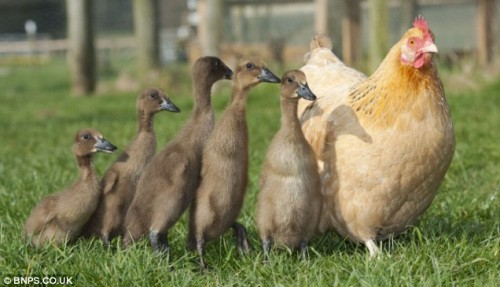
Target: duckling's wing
(41, 215)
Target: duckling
(59, 217)
(225, 165)
(290, 192)
(168, 183)
(121, 178)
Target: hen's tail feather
(320, 41)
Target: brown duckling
(224, 169)
(168, 184)
(59, 217)
(121, 178)
(289, 202)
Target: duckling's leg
(303, 249)
(240, 234)
(266, 246)
(191, 237)
(159, 241)
(200, 246)
(163, 241)
(105, 240)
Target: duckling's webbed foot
(304, 250)
(159, 241)
(240, 234)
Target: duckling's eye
(250, 66)
(86, 136)
(153, 95)
(217, 63)
(289, 80)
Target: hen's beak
(429, 48)
(168, 105)
(268, 76)
(304, 92)
(104, 146)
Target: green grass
(456, 242)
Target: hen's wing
(331, 81)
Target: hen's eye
(290, 79)
(153, 95)
(412, 42)
(249, 66)
(86, 136)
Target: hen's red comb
(421, 24)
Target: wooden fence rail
(53, 46)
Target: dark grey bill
(167, 105)
(268, 76)
(304, 92)
(104, 146)
(229, 74)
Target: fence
(247, 23)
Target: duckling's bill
(168, 105)
(305, 92)
(267, 76)
(104, 146)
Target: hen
(384, 143)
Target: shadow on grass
(449, 229)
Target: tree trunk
(379, 28)
(81, 46)
(146, 24)
(485, 34)
(210, 26)
(351, 32)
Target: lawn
(456, 243)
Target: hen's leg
(372, 247)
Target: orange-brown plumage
(384, 142)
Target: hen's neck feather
(395, 88)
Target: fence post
(408, 10)
(210, 26)
(485, 34)
(321, 17)
(379, 26)
(147, 34)
(351, 32)
(81, 51)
